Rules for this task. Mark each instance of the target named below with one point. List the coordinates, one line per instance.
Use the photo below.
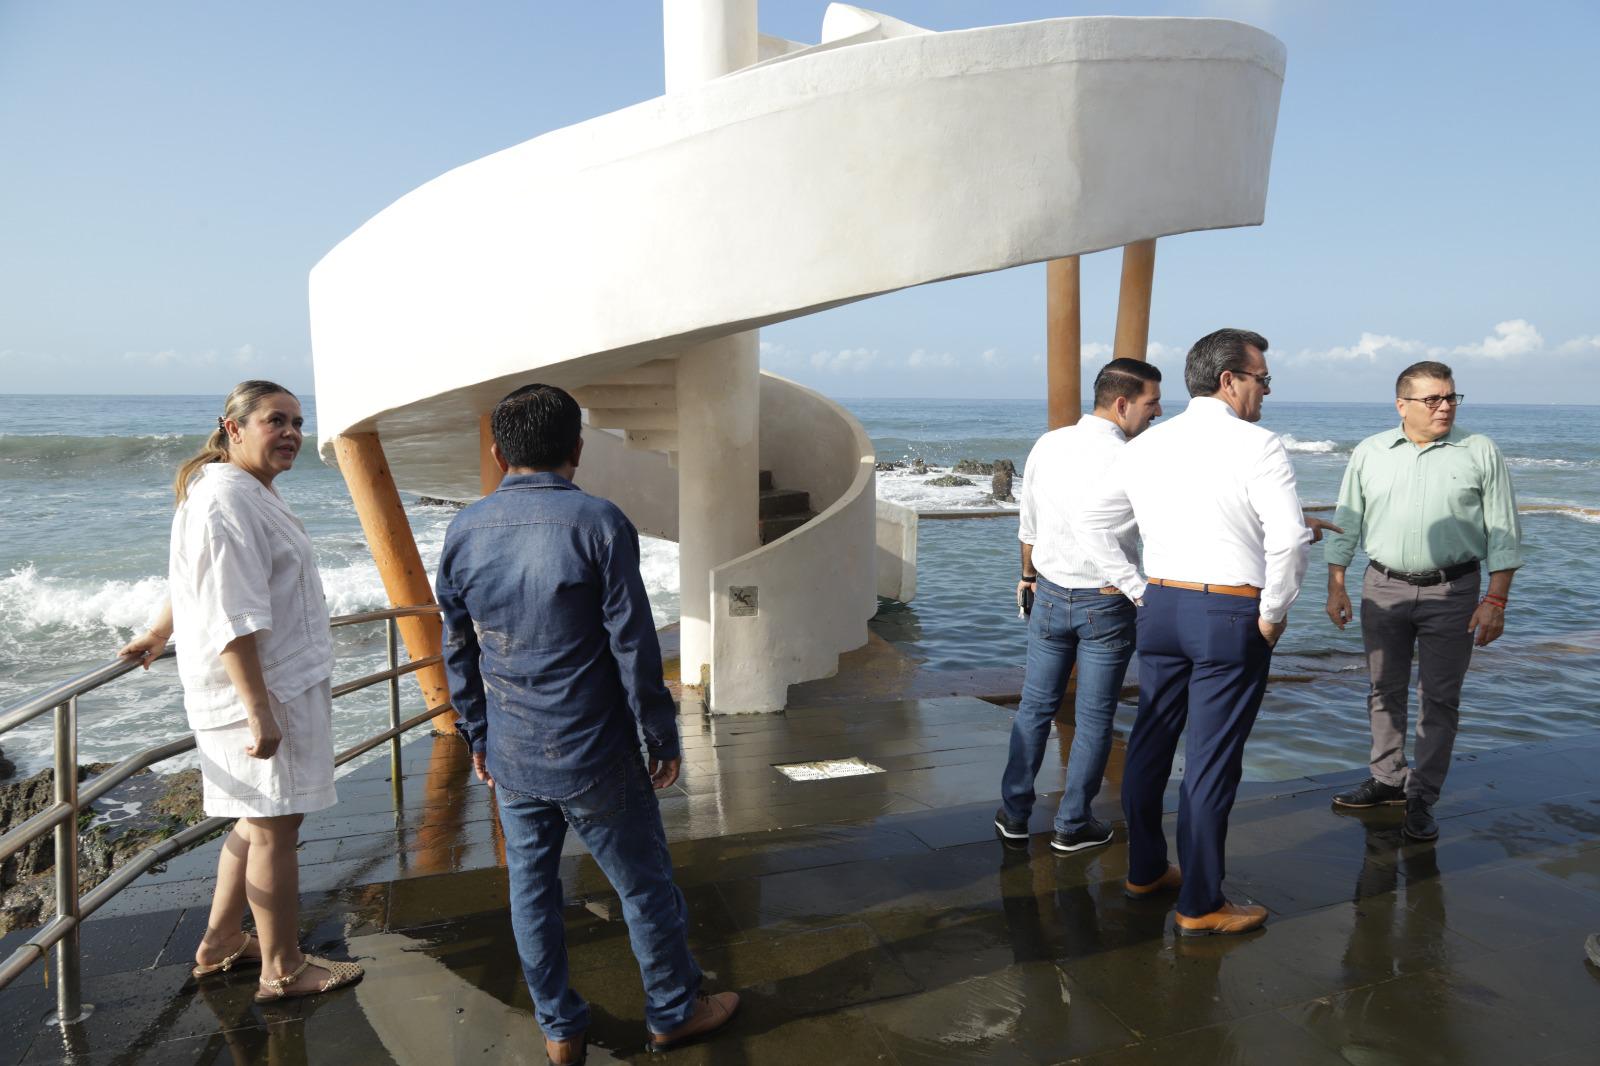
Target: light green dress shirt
(1427, 508)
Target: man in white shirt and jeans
(1077, 614)
(1225, 546)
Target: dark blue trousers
(1202, 663)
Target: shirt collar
(1210, 405)
(546, 480)
(1096, 424)
(228, 472)
(1455, 436)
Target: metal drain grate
(827, 769)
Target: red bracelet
(1498, 601)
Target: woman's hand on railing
(147, 648)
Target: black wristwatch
(1030, 577)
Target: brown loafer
(573, 1051)
(1170, 881)
(710, 1014)
(1229, 919)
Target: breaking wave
(1313, 447)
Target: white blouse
(240, 563)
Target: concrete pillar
(705, 39)
(1133, 304)
(489, 472)
(1063, 342)
(718, 390)
(394, 549)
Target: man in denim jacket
(555, 672)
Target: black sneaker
(1090, 836)
(1419, 823)
(1371, 793)
(1010, 828)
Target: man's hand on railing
(480, 769)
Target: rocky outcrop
(972, 466)
(949, 481)
(1005, 471)
(147, 808)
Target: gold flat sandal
(339, 975)
(238, 958)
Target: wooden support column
(394, 549)
(1133, 304)
(489, 473)
(1063, 342)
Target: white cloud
(1512, 338)
(991, 357)
(1155, 351)
(774, 354)
(1370, 348)
(1094, 352)
(1575, 346)
(923, 358)
(244, 355)
(851, 360)
(171, 357)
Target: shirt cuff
(230, 629)
(1506, 561)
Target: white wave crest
(914, 491)
(30, 602)
(1315, 447)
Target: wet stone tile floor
(877, 919)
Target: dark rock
(897, 465)
(1000, 483)
(107, 834)
(972, 466)
(7, 767)
(918, 466)
(435, 501)
(950, 481)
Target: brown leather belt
(1248, 591)
(1110, 590)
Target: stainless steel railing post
(391, 631)
(69, 993)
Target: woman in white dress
(255, 657)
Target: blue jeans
(1096, 631)
(619, 821)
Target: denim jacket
(552, 656)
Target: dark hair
(239, 406)
(1425, 369)
(1123, 377)
(537, 426)
(1216, 352)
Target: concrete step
(653, 440)
(655, 372)
(657, 418)
(661, 397)
(775, 503)
(773, 528)
(766, 480)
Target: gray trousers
(1397, 619)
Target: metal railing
(61, 817)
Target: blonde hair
(239, 406)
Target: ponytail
(239, 406)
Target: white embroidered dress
(241, 563)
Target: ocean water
(86, 503)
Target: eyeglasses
(1265, 379)
(1432, 402)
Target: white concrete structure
(881, 158)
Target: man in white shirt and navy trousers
(1078, 616)
(1225, 546)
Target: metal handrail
(61, 817)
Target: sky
(170, 172)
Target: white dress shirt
(1215, 500)
(240, 563)
(1064, 469)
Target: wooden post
(489, 473)
(1063, 342)
(1133, 304)
(394, 549)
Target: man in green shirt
(1432, 505)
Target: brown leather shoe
(573, 1051)
(1229, 919)
(1170, 881)
(710, 1014)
